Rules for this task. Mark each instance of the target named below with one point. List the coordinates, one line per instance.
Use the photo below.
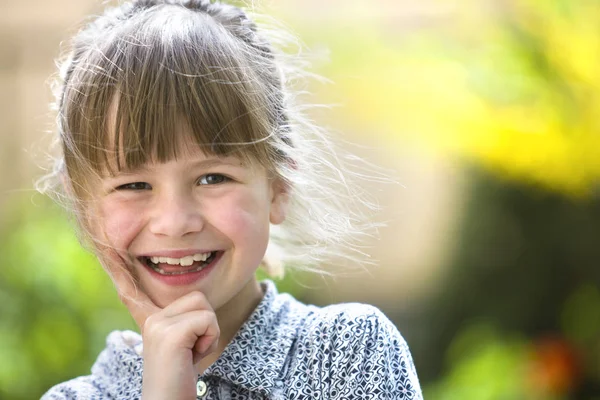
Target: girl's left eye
(135, 186)
(212, 179)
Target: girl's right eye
(135, 186)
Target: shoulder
(351, 324)
(78, 388)
(354, 351)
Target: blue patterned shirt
(285, 350)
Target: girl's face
(193, 223)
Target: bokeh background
(487, 114)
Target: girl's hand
(175, 338)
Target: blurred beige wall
(421, 212)
(30, 34)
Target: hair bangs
(174, 88)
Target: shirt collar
(256, 356)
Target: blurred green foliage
(57, 304)
(484, 364)
(517, 316)
(509, 85)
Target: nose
(175, 215)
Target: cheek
(119, 223)
(244, 219)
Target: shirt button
(201, 389)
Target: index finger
(138, 303)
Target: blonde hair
(152, 64)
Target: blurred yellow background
(485, 112)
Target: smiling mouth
(171, 268)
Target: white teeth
(187, 261)
(184, 262)
(172, 261)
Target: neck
(231, 316)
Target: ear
(280, 198)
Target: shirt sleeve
(370, 359)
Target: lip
(175, 253)
(184, 279)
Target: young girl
(182, 149)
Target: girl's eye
(135, 186)
(212, 179)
